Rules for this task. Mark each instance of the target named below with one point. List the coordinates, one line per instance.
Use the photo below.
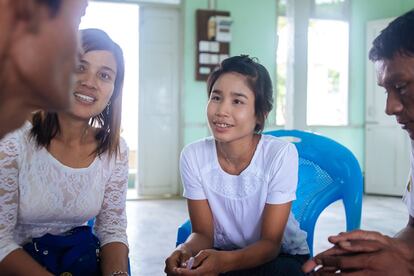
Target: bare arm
(114, 257)
(200, 238)
(368, 252)
(202, 226)
(275, 217)
(212, 262)
(407, 234)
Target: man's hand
(364, 253)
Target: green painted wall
(362, 11)
(254, 33)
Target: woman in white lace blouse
(65, 168)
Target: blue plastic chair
(328, 172)
(91, 223)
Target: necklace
(240, 161)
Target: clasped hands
(207, 263)
(363, 253)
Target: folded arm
(210, 261)
(368, 252)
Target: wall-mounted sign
(212, 40)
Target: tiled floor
(152, 227)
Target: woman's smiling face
(231, 108)
(95, 80)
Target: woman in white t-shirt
(65, 168)
(239, 184)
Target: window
(281, 66)
(326, 44)
(327, 100)
(121, 22)
(328, 41)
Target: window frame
(300, 12)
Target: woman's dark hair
(397, 37)
(46, 124)
(258, 80)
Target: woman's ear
(258, 123)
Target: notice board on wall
(213, 39)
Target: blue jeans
(282, 265)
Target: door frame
(180, 116)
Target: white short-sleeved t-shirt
(409, 193)
(237, 201)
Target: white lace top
(40, 195)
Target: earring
(107, 108)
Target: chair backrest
(328, 171)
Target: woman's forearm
(114, 257)
(251, 256)
(197, 242)
(18, 262)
